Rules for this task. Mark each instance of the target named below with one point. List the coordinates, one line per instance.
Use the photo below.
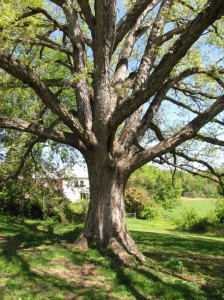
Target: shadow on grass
(21, 238)
(179, 243)
(22, 242)
(144, 283)
(201, 259)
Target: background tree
(108, 83)
(197, 186)
(159, 184)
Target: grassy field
(201, 205)
(38, 261)
(166, 219)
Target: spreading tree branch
(189, 108)
(80, 65)
(129, 20)
(194, 172)
(28, 76)
(45, 42)
(208, 16)
(50, 18)
(40, 131)
(151, 46)
(86, 11)
(127, 48)
(210, 140)
(187, 132)
(143, 71)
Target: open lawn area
(202, 206)
(38, 261)
(166, 220)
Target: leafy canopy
(141, 82)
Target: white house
(76, 184)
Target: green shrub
(188, 219)
(203, 225)
(212, 223)
(40, 198)
(135, 200)
(149, 212)
(76, 211)
(219, 212)
(220, 188)
(32, 198)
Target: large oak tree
(106, 78)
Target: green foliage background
(158, 185)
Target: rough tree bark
(104, 117)
(105, 223)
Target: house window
(82, 183)
(84, 196)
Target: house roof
(78, 172)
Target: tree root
(124, 255)
(81, 243)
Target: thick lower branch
(19, 70)
(186, 133)
(38, 130)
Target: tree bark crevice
(105, 224)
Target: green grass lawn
(166, 220)
(38, 261)
(201, 205)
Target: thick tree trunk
(105, 223)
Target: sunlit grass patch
(201, 205)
